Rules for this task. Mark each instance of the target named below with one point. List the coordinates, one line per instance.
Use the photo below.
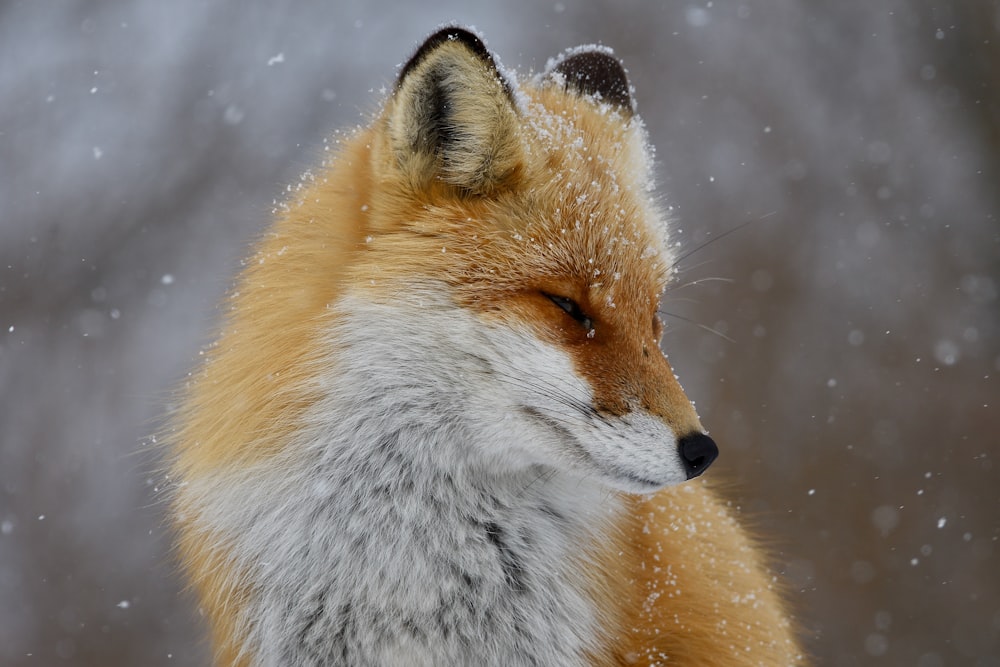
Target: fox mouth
(635, 483)
(642, 484)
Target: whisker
(699, 281)
(697, 324)
(562, 420)
(544, 476)
(721, 236)
(683, 299)
(575, 406)
(675, 270)
(543, 388)
(553, 391)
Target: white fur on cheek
(519, 396)
(549, 418)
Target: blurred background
(853, 381)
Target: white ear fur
(453, 115)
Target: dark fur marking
(512, 567)
(325, 635)
(469, 40)
(344, 631)
(554, 514)
(435, 117)
(312, 619)
(444, 627)
(412, 627)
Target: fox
(437, 426)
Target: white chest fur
(401, 528)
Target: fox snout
(697, 451)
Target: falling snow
(149, 140)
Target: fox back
(437, 427)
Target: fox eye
(572, 308)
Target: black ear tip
(594, 71)
(451, 33)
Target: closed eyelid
(571, 308)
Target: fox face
(530, 211)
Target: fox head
(512, 266)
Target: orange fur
(679, 583)
(696, 589)
(256, 381)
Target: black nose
(697, 452)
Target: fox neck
(458, 546)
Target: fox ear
(594, 71)
(453, 115)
